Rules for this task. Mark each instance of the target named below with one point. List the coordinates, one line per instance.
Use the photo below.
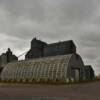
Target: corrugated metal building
(62, 68)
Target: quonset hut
(57, 68)
(57, 62)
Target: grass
(51, 82)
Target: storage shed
(89, 72)
(62, 68)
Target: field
(83, 91)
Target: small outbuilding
(89, 72)
(7, 57)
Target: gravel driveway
(86, 91)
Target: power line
(22, 54)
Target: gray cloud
(30, 8)
(51, 21)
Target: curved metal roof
(51, 68)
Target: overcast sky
(52, 21)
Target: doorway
(77, 74)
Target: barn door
(77, 74)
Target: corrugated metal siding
(51, 68)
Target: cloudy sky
(52, 21)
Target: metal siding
(52, 68)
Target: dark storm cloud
(31, 8)
(29, 16)
(22, 17)
(75, 10)
(51, 21)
